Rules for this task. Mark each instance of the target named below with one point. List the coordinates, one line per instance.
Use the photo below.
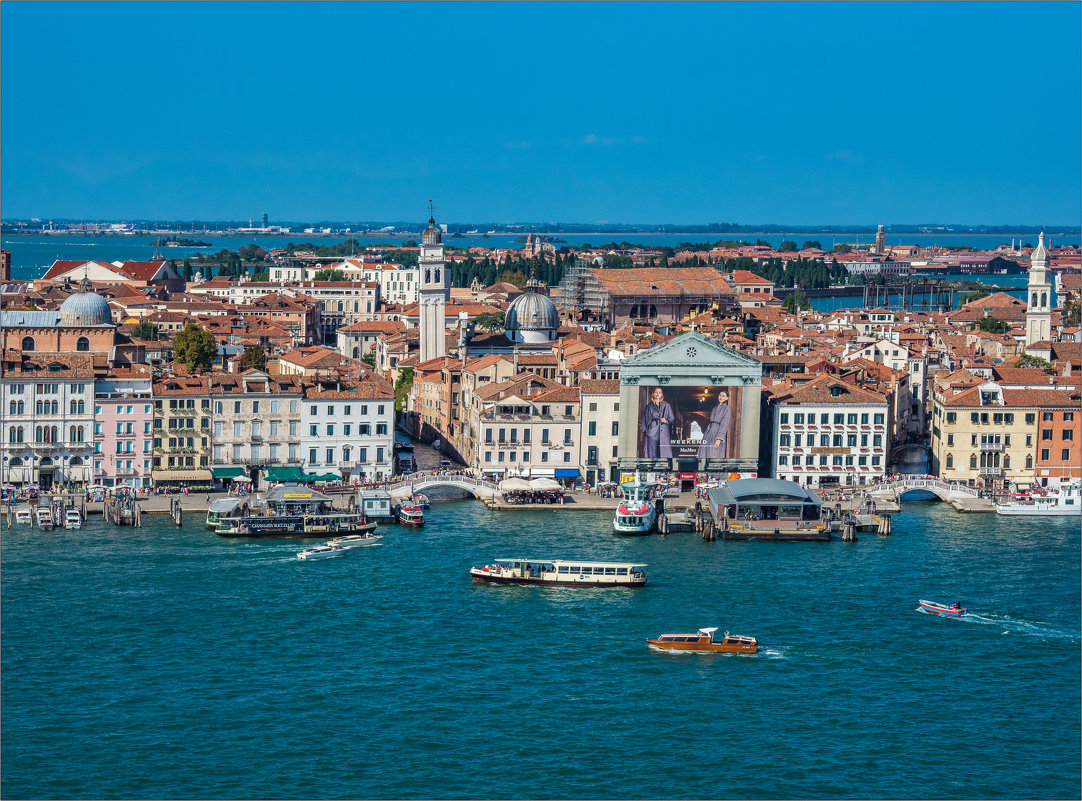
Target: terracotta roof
(819, 390)
(748, 277)
(1018, 398)
(600, 386)
(669, 281)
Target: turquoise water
(169, 663)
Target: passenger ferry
(561, 573)
(409, 515)
(1064, 502)
(219, 510)
(703, 642)
(637, 513)
(294, 511)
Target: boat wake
(1012, 625)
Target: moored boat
(421, 501)
(1063, 502)
(45, 519)
(23, 516)
(561, 573)
(637, 513)
(703, 642)
(954, 610)
(72, 519)
(409, 516)
(321, 552)
(356, 540)
(221, 509)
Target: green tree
(1026, 360)
(489, 321)
(330, 274)
(254, 357)
(402, 388)
(195, 347)
(407, 258)
(187, 273)
(796, 300)
(993, 325)
(812, 244)
(1072, 312)
(513, 277)
(788, 246)
(145, 330)
(370, 360)
(843, 248)
(969, 297)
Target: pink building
(123, 427)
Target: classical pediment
(692, 355)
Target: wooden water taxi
(703, 642)
(356, 540)
(561, 573)
(321, 552)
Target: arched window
(37, 407)
(11, 407)
(82, 344)
(16, 462)
(82, 407)
(18, 438)
(972, 461)
(1044, 299)
(28, 343)
(1033, 301)
(356, 353)
(950, 461)
(1006, 462)
(1029, 461)
(56, 407)
(72, 407)
(21, 407)
(76, 461)
(38, 434)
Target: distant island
(184, 242)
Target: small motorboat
(703, 642)
(954, 610)
(355, 540)
(23, 516)
(72, 519)
(45, 519)
(410, 516)
(420, 501)
(322, 552)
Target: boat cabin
(297, 499)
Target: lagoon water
(171, 663)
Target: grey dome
(85, 309)
(531, 318)
(431, 235)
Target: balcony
(994, 447)
(990, 471)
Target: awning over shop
(566, 473)
(181, 475)
(321, 478)
(227, 472)
(285, 474)
(547, 472)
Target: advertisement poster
(689, 422)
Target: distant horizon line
(586, 227)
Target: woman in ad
(714, 444)
(655, 422)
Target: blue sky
(802, 113)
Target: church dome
(85, 309)
(431, 235)
(531, 318)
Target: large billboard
(685, 423)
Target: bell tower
(1041, 300)
(433, 291)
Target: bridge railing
(418, 480)
(927, 483)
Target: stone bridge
(944, 490)
(477, 487)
